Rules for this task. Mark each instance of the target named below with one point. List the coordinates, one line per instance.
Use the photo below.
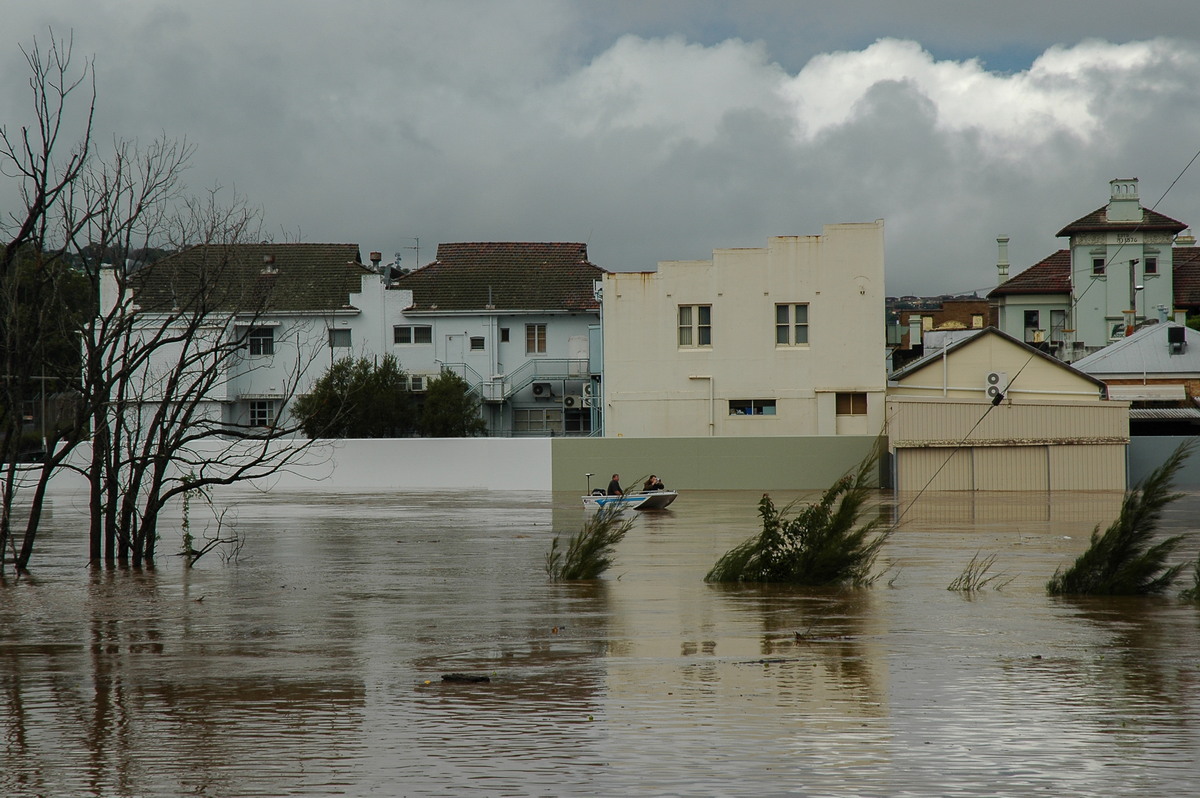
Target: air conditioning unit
(541, 390)
(587, 389)
(996, 385)
(572, 401)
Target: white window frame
(411, 331)
(791, 324)
(535, 339)
(694, 326)
(262, 412)
(260, 341)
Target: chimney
(1181, 318)
(376, 257)
(1002, 260)
(1123, 204)
(914, 331)
(1185, 239)
(269, 265)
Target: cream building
(986, 411)
(786, 339)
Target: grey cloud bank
(652, 131)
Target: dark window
(1097, 266)
(339, 339)
(791, 325)
(261, 340)
(1033, 319)
(477, 343)
(503, 335)
(412, 334)
(262, 413)
(751, 407)
(695, 325)
(1151, 266)
(851, 404)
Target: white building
(519, 321)
(1121, 268)
(786, 339)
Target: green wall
(767, 464)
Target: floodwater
(313, 665)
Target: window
(503, 335)
(262, 413)
(412, 334)
(537, 419)
(339, 339)
(477, 343)
(851, 404)
(976, 321)
(695, 325)
(751, 407)
(416, 382)
(1097, 266)
(1033, 319)
(535, 339)
(261, 340)
(791, 325)
(1151, 266)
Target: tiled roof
(505, 276)
(1051, 275)
(1097, 222)
(237, 277)
(1185, 278)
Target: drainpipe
(712, 420)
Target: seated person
(614, 487)
(654, 483)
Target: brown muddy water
(313, 666)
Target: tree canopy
(358, 398)
(451, 410)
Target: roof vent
(269, 265)
(1176, 339)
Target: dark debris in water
(464, 678)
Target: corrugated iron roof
(1145, 353)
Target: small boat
(634, 500)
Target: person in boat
(614, 487)
(654, 483)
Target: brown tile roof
(304, 277)
(1050, 275)
(1053, 276)
(1097, 222)
(1185, 279)
(505, 276)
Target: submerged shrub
(589, 552)
(1125, 561)
(821, 545)
(976, 575)
(1193, 592)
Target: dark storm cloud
(653, 130)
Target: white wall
(400, 464)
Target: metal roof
(1144, 353)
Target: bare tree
(158, 344)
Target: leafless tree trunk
(148, 373)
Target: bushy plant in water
(1125, 560)
(589, 552)
(822, 545)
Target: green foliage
(589, 552)
(358, 399)
(820, 546)
(451, 409)
(976, 577)
(1193, 592)
(1124, 561)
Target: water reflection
(314, 665)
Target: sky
(651, 130)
